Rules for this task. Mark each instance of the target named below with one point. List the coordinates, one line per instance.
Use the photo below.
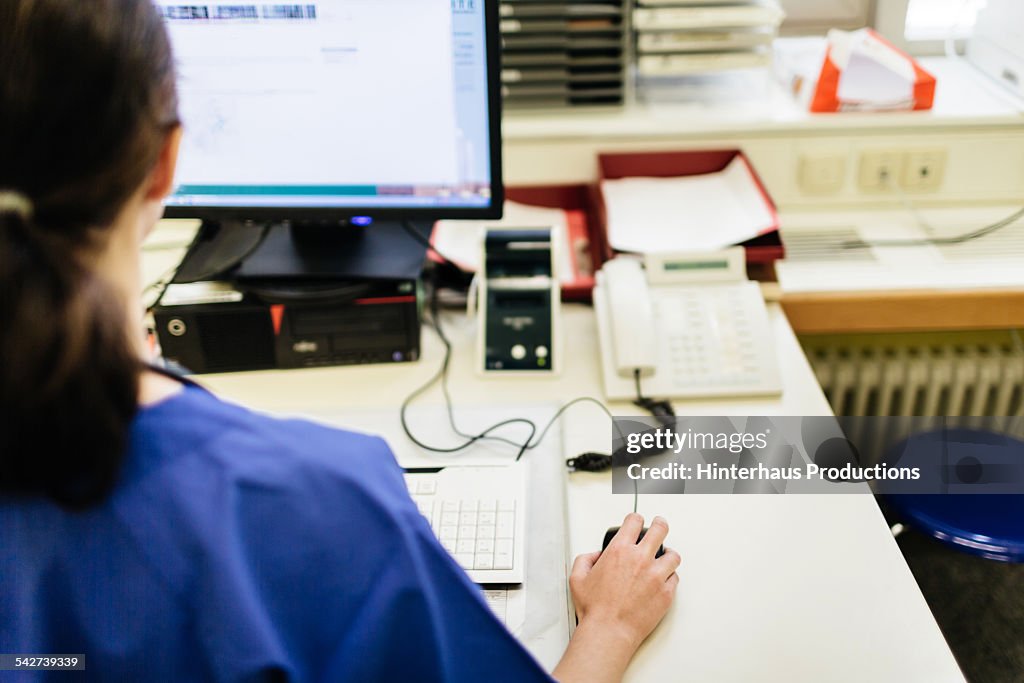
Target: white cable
(472, 295)
(951, 35)
(909, 205)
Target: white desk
(795, 588)
(803, 588)
(817, 262)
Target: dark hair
(86, 103)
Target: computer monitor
(334, 109)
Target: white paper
(874, 75)
(462, 241)
(692, 213)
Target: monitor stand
(219, 248)
(337, 233)
(229, 250)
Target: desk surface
(974, 285)
(802, 588)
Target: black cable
(936, 241)
(435, 315)
(470, 439)
(442, 376)
(529, 444)
(425, 241)
(601, 462)
(592, 462)
(655, 407)
(160, 286)
(167, 279)
(561, 411)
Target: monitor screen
(336, 108)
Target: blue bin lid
(990, 525)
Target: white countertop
(796, 588)
(964, 97)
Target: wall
(976, 129)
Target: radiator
(949, 374)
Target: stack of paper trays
(563, 53)
(681, 38)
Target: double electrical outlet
(878, 171)
(919, 170)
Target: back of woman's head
(86, 104)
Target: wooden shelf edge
(904, 311)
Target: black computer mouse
(610, 534)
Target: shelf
(965, 98)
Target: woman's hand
(621, 595)
(624, 588)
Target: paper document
(688, 18)
(852, 71)
(691, 213)
(702, 62)
(462, 241)
(873, 74)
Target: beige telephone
(683, 326)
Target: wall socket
(921, 170)
(822, 174)
(880, 171)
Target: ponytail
(68, 372)
(87, 100)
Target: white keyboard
(479, 515)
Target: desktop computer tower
(210, 327)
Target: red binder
(576, 201)
(764, 249)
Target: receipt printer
(519, 302)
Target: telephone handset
(624, 287)
(691, 324)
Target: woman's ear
(161, 180)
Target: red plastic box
(762, 250)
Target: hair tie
(12, 201)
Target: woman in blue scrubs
(165, 534)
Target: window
(818, 16)
(940, 19)
(920, 26)
(924, 26)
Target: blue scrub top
(238, 547)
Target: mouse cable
(936, 241)
(590, 462)
(600, 462)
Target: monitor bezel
(492, 41)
